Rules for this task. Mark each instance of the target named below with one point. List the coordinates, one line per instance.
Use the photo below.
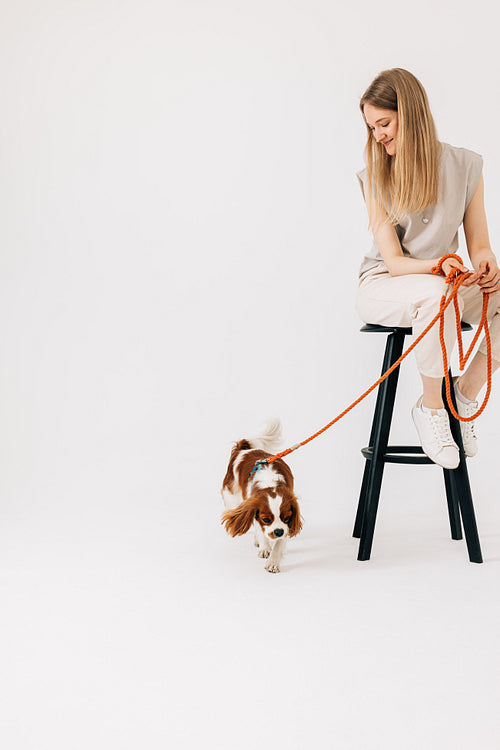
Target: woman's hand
(453, 263)
(486, 276)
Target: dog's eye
(288, 519)
(266, 520)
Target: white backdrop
(180, 238)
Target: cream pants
(413, 301)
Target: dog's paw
(272, 567)
(264, 552)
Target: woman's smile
(383, 123)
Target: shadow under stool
(378, 453)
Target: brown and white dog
(264, 499)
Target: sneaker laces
(467, 410)
(442, 430)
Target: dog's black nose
(278, 532)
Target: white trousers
(413, 301)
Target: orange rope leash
(455, 279)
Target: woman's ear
(295, 525)
(239, 520)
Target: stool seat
(379, 452)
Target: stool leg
(379, 438)
(358, 524)
(377, 417)
(461, 485)
(453, 508)
(451, 491)
(467, 510)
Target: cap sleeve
(474, 170)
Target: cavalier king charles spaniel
(264, 497)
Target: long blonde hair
(408, 181)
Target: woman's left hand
(487, 276)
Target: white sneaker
(435, 436)
(469, 438)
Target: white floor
(126, 626)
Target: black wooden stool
(378, 453)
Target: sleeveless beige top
(434, 232)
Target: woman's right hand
(453, 263)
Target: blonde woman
(418, 192)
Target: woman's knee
(429, 290)
(427, 306)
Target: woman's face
(384, 126)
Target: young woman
(418, 192)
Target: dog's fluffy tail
(270, 438)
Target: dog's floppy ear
(239, 520)
(295, 524)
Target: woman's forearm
(402, 266)
(396, 262)
(483, 253)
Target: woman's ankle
(432, 404)
(432, 393)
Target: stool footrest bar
(399, 454)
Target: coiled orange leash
(455, 279)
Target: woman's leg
(475, 376)
(432, 388)
(413, 301)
